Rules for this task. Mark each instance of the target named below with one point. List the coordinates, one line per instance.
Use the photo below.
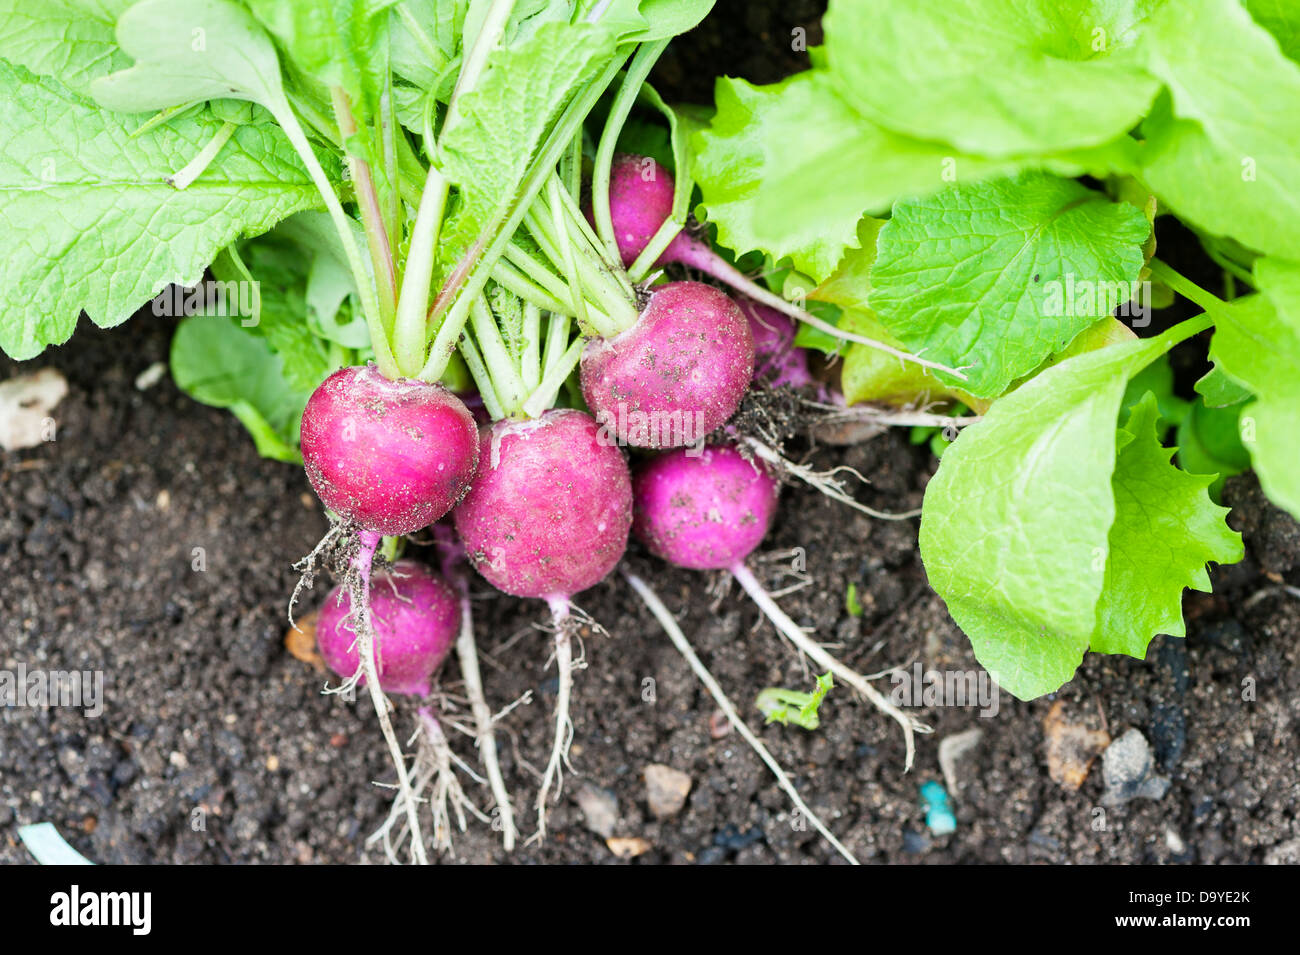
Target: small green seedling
(851, 602)
(779, 705)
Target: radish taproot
(710, 512)
(676, 375)
(548, 516)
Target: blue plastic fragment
(938, 812)
(44, 842)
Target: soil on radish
(215, 744)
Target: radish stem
(195, 167)
(372, 216)
(697, 255)
(637, 71)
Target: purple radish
(415, 617)
(777, 360)
(548, 517)
(710, 512)
(677, 374)
(707, 514)
(549, 513)
(390, 456)
(640, 201)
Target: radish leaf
(1257, 344)
(1165, 530)
(102, 230)
(1015, 526)
(1000, 275)
(69, 39)
(782, 169)
(1223, 149)
(993, 77)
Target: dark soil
(210, 722)
(216, 745)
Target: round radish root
(677, 374)
(707, 511)
(391, 456)
(549, 513)
(640, 199)
(415, 617)
(777, 360)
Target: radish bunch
(540, 499)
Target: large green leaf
(1000, 275)
(71, 40)
(1223, 148)
(1165, 530)
(92, 224)
(187, 51)
(1257, 344)
(993, 77)
(789, 169)
(1016, 522)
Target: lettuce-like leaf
(789, 169)
(1223, 147)
(1165, 530)
(993, 77)
(1015, 531)
(1257, 344)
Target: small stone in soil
(628, 847)
(1126, 767)
(666, 789)
(599, 809)
(1071, 747)
(915, 842)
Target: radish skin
(549, 514)
(414, 615)
(676, 375)
(389, 456)
(778, 362)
